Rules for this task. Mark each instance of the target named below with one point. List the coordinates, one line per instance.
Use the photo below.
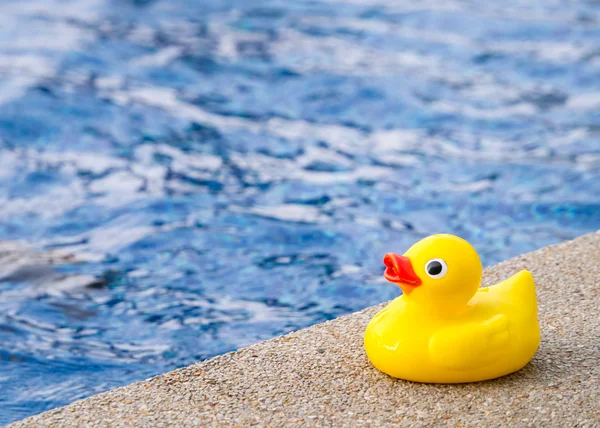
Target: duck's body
(430, 336)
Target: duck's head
(439, 270)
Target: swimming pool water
(234, 170)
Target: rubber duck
(444, 328)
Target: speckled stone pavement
(321, 377)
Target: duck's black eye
(436, 268)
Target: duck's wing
(470, 346)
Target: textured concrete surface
(321, 377)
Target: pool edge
(319, 375)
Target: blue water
(234, 170)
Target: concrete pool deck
(320, 376)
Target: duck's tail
(518, 289)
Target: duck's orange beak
(400, 271)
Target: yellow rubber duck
(444, 328)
